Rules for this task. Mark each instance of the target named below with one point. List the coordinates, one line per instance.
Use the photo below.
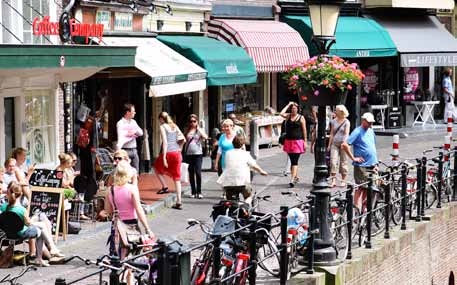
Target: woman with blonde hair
(122, 155)
(170, 157)
(225, 143)
(66, 166)
(125, 198)
(339, 132)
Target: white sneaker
(199, 196)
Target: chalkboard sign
(46, 178)
(50, 202)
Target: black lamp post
(324, 17)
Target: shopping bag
(184, 172)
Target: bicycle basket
(223, 225)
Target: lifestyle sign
(46, 27)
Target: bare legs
(177, 187)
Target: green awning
(74, 56)
(355, 37)
(45, 64)
(226, 64)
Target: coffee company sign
(428, 59)
(44, 26)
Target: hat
(368, 117)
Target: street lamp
(324, 17)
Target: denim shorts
(31, 232)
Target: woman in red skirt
(169, 160)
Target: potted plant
(323, 80)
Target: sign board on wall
(428, 59)
(103, 17)
(123, 21)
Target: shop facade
(35, 69)
(272, 45)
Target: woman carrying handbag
(193, 154)
(339, 132)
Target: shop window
(245, 98)
(32, 9)
(40, 126)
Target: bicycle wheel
(395, 207)
(201, 267)
(340, 236)
(431, 195)
(268, 256)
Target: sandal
(177, 206)
(163, 191)
(56, 254)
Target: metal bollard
(312, 228)
(440, 177)
(60, 281)
(387, 192)
(162, 264)
(114, 274)
(253, 139)
(350, 214)
(369, 210)
(424, 184)
(403, 198)
(252, 251)
(418, 190)
(454, 191)
(284, 258)
(216, 256)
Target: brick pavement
(172, 223)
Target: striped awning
(272, 45)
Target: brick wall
(424, 254)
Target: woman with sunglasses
(193, 154)
(122, 155)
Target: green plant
(331, 72)
(69, 193)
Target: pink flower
(316, 92)
(304, 69)
(325, 59)
(295, 77)
(314, 67)
(349, 87)
(325, 82)
(321, 65)
(294, 66)
(309, 75)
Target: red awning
(272, 45)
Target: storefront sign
(428, 59)
(370, 81)
(103, 17)
(123, 21)
(231, 69)
(46, 27)
(160, 80)
(411, 83)
(363, 53)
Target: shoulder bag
(186, 146)
(128, 234)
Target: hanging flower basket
(323, 80)
(323, 96)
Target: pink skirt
(294, 146)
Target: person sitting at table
(30, 230)
(12, 173)
(26, 171)
(66, 166)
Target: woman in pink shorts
(295, 141)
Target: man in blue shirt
(363, 141)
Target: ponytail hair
(167, 119)
(14, 193)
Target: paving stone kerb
(424, 253)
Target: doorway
(10, 136)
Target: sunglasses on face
(117, 158)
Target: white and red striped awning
(272, 45)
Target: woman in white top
(236, 177)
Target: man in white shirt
(127, 132)
(236, 177)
